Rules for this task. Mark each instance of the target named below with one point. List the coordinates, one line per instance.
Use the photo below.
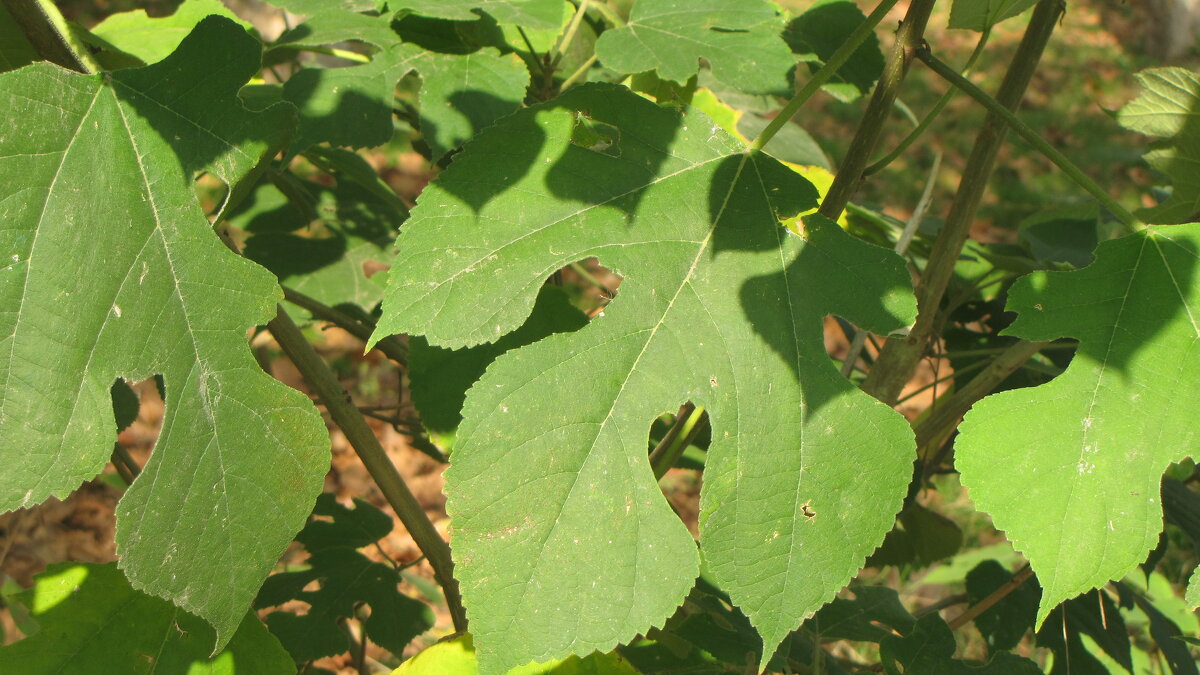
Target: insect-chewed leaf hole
(138, 411)
(589, 285)
(678, 448)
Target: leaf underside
(563, 540)
(116, 273)
(1071, 470)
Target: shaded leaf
(1169, 108)
(741, 41)
(929, 650)
(15, 50)
(149, 290)
(441, 377)
(563, 539)
(978, 15)
(867, 617)
(535, 14)
(460, 94)
(1096, 616)
(360, 526)
(1005, 623)
(346, 578)
(152, 39)
(1070, 470)
(1165, 633)
(92, 621)
(456, 656)
(817, 33)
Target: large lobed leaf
(741, 41)
(563, 540)
(91, 620)
(1071, 470)
(114, 272)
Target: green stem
(569, 35)
(532, 52)
(609, 14)
(360, 436)
(328, 51)
(930, 118)
(899, 358)
(835, 62)
(390, 346)
(680, 436)
(870, 128)
(579, 73)
(51, 35)
(949, 411)
(1031, 137)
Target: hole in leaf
(589, 285)
(596, 136)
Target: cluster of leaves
(563, 542)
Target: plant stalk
(678, 438)
(932, 115)
(870, 128)
(990, 601)
(49, 33)
(899, 358)
(1030, 136)
(835, 62)
(950, 411)
(389, 346)
(360, 436)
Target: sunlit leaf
(149, 289)
(563, 539)
(1071, 470)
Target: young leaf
(152, 39)
(460, 94)
(1070, 470)
(535, 14)
(116, 273)
(1169, 108)
(563, 539)
(740, 40)
(92, 621)
(979, 15)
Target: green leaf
(979, 15)
(1096, 616)
(441, 377)
(456, 656)
(817, 33)
(149, 289)
(874, 613)
(929, 650)
(1169, 108)
(332, 22)
(460, 94)
(535, 14)
(346, 579)
(568, 545)
(1193, 590)
(338, 259)
(92, 621)
(152, 39)
(1004, 624)
(1070, 470)
(360, 526)
(741, 41)
(15, 50)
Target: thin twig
(389, 346)
(996, 596)
(360, 436)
